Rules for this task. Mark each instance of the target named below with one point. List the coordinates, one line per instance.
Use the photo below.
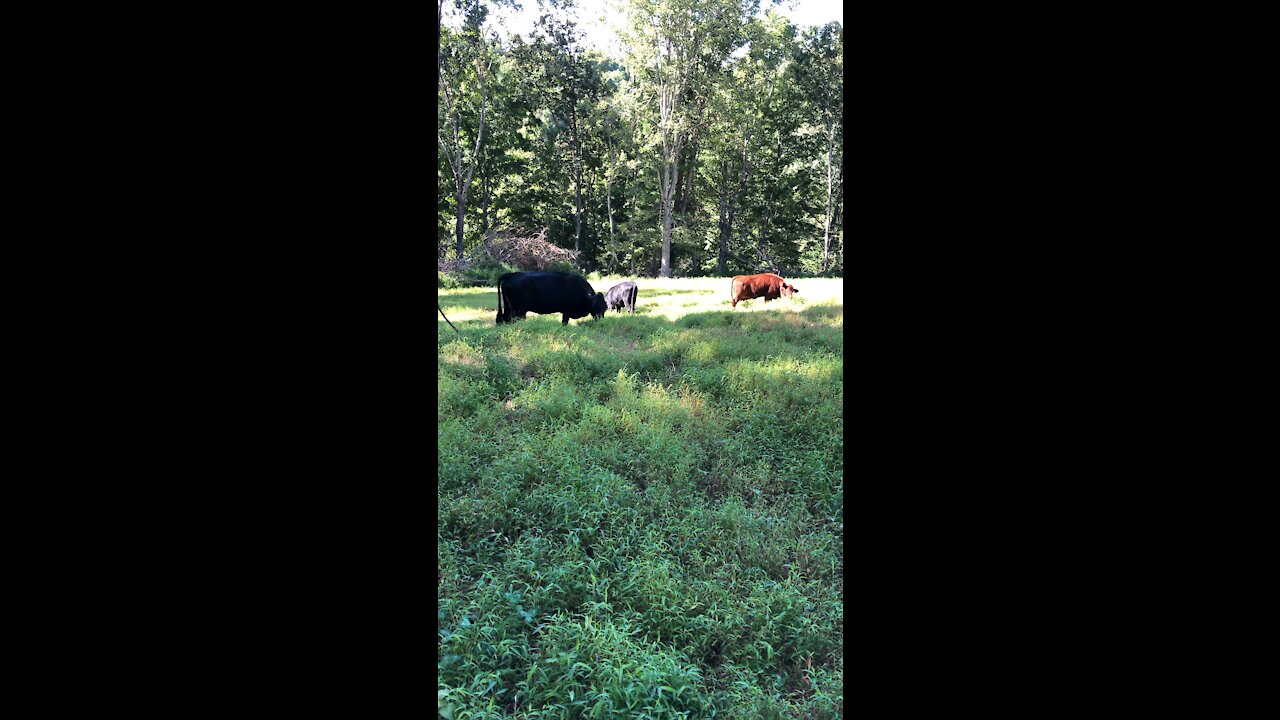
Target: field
(642, 516)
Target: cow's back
(748, 287)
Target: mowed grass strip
(642, 516)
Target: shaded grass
(642, 516)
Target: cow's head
(598, 305)
(788, 290)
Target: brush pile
(514, 248)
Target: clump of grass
(642, 516)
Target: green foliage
(562, 266)
(486, 275)
(754, 126)
(642, 516)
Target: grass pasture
(642, 516)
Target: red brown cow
(765, 285)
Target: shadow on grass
(656, 348)
(646, 321)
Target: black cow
(547, 292)
(622, 295)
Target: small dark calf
(622, 295)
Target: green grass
(642, 516)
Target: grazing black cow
(545, 293)
(622, 295)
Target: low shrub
(561, 266)
(642, 516)
(486, 274)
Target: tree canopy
(712, 144)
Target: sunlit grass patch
(652, 503)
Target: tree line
(712, 145)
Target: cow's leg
(564, 318)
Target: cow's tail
(500, 281)
(504, 303)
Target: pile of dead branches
(528, 252)
(516, 248)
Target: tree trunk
(688, 192)
(453, 152)
(837, 214)
(635, 199)
(729, 202)
(679, 193)
(667, 180)
(669, 110)
(665, 270)
(439, 56)
(608, 201)
(723, 266)
(577, 171)
(577, 206)
(486, 189)
(461, 197)
(826, 233)
(764, 232)
(689, 177)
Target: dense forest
(712, 145)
